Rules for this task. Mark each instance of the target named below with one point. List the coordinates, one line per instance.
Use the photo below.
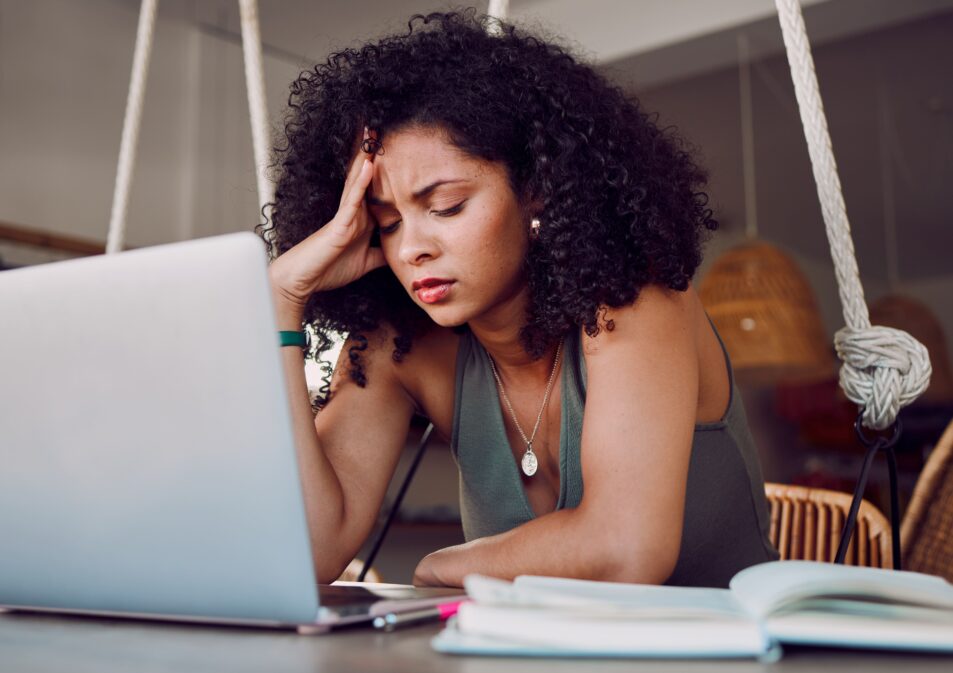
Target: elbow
(330, 567)
(345, 571)
(326, 573)
(641, 564)
(334, 557)
(635, 555)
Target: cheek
(501, 237)
(508, 243)
(491, 249)
(390, 246)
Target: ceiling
(668, 39)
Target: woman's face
(451, 227)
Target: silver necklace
(529, 462)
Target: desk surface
(35, 643)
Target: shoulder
(661, 340)
(658, 317)
(646, 352)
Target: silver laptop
(146, 459)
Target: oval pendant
(529, 463)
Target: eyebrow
(419, 194)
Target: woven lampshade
(919, 321)
(767, 316)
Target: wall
(63, 85)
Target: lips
(432, 290)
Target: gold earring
(534, 225)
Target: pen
(393, 620)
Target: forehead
(417, 143)
(413, 157)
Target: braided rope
(115, 239)
(884, 369)
(257, 104)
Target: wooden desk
(37, 643)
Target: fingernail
(366, 132)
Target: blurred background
(714, 70)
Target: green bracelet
(300, 339)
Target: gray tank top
(726, 512)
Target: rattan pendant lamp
(759, 299)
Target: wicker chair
(806, 524)
(926, 533)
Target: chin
(447, 316)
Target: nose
(417, 243)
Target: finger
(354, 200)
(357, 157)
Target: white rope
(115, 238)
(499, 10)
(257, 103)
(884, 369)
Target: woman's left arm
(641, 404)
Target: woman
(509, 244)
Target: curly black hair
(621, 200)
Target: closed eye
(390, 228)
(449, 212)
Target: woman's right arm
(348, 453)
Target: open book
(803, 602)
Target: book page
(923, 629)
(608, 598)
(574, 632)
(782, 585)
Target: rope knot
(884, 370)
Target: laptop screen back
(147, 458)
